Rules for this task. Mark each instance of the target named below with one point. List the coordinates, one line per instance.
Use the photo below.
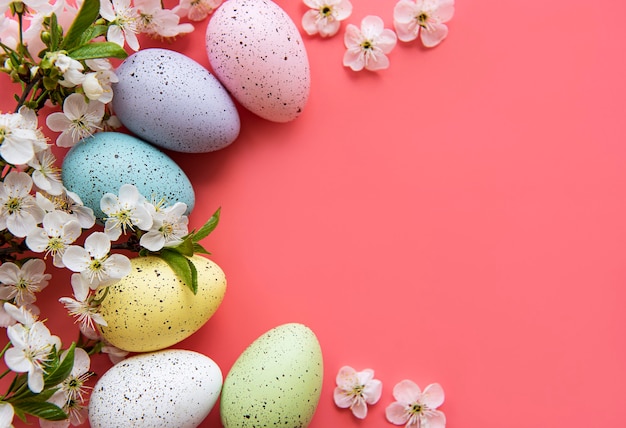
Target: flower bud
(17, 8)
(91, 86)
(45, 37)
(23, 70)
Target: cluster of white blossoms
(59, 52)
(50, 224)
(86, 84)
(367, 46)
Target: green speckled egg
(276, 381)
(151, 308)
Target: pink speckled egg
(257, 53)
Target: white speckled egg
(102, 163)
(256, 51)
(151, 308)
(276, 381)
(172, 388)
(171, 101)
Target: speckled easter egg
(151, 308)
(102, 163)
(171, 101)
(172, 388)
(256, 51)
(276, 381)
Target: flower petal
(387, 41)
(6, 414)
(354, 59)
(347, 377)
(396, 413)
(436, 419)
(379, 61)
(434, 35)
(57, 122)
(445, 11)
(309, 22)
(16, 361)
(372, 26)
(74, 106)
(359, 409)
(342, 398)
(407, 392)
(98, 245)
(373, 391)
(76, 258)
(433, 396)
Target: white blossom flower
(423, 18)
(158, 22)
(21, 283)
(197, 10)
(31, 348)
(76, 411)
(168, 228)
(325, 16)
(59, 230)
(124, 212)
(97, 84)
(20, 314)
(20, 138)
(70, 203)
(79, 119)
(46, 175)
(415, 408)
(6, 414)
(94, 262)
(81, 307)
(124, 21)
(71, 69)
(367, 47)
(18, 211)
(355, 390)
(73, 388)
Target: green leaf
(199, 249)
(208, 227)
(20, 414)
(59, 373)
(98, 50)
(85, 18)
(91, 33)
(185, 247)
(182, 267)
(43, 410)
(55, 34)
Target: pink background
(458, 218)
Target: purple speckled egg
(171, 101)
(256, 51)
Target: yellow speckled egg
(276, 381)
(151, 308)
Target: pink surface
(457, 218)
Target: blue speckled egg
(171, 101)
(102, 163)
(256, 51)
(171, 388)
(276, 381)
